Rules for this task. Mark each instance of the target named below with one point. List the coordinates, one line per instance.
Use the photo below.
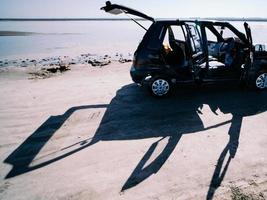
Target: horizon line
(141, 19)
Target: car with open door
(194, 51)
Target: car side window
(195, 39)
(225, 32)
(175, 45)
(178, 33)
(166, 40)
(211, 37)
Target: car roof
(207, 22)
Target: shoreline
(94, 60)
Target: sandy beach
(89, 133)
(74, 125)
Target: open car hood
(118, 9)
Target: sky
(155, 8)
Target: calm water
(76, 37)
(70, 38)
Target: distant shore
(23, 33)
(15, 33)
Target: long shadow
(241, 104)
(22, 157)
(132, 114)
(231, 147)
(140, 173)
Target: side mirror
(260, 47)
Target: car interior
(224, 47)
(225, 50)
(175, 47)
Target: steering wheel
(227, 46)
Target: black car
(194, 51)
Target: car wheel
(160, 87)
(261, 81)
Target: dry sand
(91, 134)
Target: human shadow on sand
(133, 114)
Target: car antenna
(134, 20)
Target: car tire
(160, 87)
(260, 81)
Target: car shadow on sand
(133, 114)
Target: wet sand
(89, 133)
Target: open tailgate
(116, 9)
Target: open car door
(118, 9)
(249, 36)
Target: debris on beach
(40, 74)
(55, 62)
(55, 69)
(47, 72)
(124, 60)
(99, 62)
(46, 67)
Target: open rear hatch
(116, 9)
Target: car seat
(178, 57)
